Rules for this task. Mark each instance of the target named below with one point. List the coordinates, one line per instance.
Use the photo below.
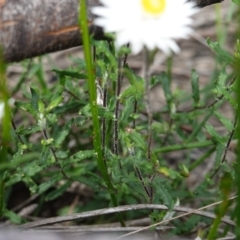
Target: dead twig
(104, 211)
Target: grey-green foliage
(58, 127)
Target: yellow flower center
(154, 7)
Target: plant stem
(5, 128)
(148, 107)
(93, 103)
(184, 146)
(237, 165)
(45, 135)
(146, 76)
(116, 113)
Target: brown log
(30, 28)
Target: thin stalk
(237, 165)
(184, 146)
(140, 177)
(144, 186)
(45, 135)
(94, 108)
(137, 170)
(116, 113)
(146, 76)
(148, 106)
(117, 91)
(15, 129)
(134, 111)
(40, 75)
(5, 128)
(169, 68)
(104, 127)
(221, 32)
(227, 145)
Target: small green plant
(87, 128)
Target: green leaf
(104, 112)
(162, 191)
(31, 169)
(137, 85)
(14, 178)
(224, 56)
(67, 107)
(81, 65)
(46, 156)
(166, 87)
(103, 48)
(135, 186)
(57, 192)
(47, 184)
(155, 80)
(29, 130)
(52, 118)
(25, 107)
(33, 70)
(62, 154)
(70, 73)
(137, 139)
(127, 111)
(63, 133)
(170, 173)
(12, 216)
(95, 182)
(223, 77)
(226, 184)
(21, 159)
(86, 111)
(32, 186)
(41, 106)
(215, 135)
(224, 120)
(34, 100)
(219, 154)
(195, 87)
(47, 142)
(79, 156)
(159, 127)
(54, 103)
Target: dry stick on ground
(33, 28)
(104, 211)
(196, 211)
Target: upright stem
(116, 122)
(237, 165)
(5, 128)
(118, 90)
(93, 103)
(146, 75)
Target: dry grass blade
(197, 211)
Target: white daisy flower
(1, 110)
(149, 23)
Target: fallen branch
(104, 211)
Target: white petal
(132, 24)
